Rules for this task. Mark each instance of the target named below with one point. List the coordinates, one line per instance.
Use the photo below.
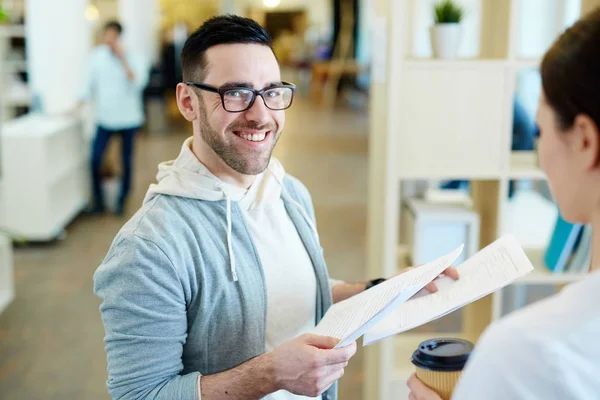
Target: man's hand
(117, 49)
(119, 52)
(308, 365)
(343, 291)
(420, 391)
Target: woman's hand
(420, 391)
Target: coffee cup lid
(442, 354)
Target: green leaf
(447, 12)
(4, 15)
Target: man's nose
(259, 112)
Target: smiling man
(211, 289)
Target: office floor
(51, 336)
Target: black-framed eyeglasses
(238, 99)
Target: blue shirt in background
(118, 101)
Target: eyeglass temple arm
(203, 86)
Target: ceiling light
(91, 13)
(271, 3)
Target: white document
(350, 319)
(490, 269)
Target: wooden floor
(51, 336)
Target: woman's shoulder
(523, 354)
(572, 310)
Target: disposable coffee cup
(439, 363)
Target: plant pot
(445, 40)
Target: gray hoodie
(182, 287)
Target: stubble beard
(249, 162)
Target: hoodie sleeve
(144, 314)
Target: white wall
(366, 17)
(536, 36)
(58, 44)
(541, 21)
(141, 20)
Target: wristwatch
(374, 282)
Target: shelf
(465, 138)
(16, 31)
(18, 95)
(541, 275)
(16, 65)
(529, 63)
(466, 63)
(37, 125)
(524, 165)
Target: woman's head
(569, 119)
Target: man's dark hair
(113, 25)
(571, 72)
(223, 29)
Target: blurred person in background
(116, 79)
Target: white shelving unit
(15, 92)
(433, 120)
(7, 284)
(45, 175)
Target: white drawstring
(229, 245)
(229, 238)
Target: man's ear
(588, 142)
(185, 100)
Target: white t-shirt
(547, 351)
(289, 272)
(290, 278)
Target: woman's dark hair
(571, 72)
(223, 29)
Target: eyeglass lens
(275, 99)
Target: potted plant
(446, 31)
(4, 15)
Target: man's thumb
(321, 342)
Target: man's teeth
(255, 137)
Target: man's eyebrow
(228, 85)
(237, 84)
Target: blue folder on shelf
(562, 244)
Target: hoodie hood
(187, 177)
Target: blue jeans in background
(99, 145)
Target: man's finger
(320, 342)
(330, 380)
(337, 356)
